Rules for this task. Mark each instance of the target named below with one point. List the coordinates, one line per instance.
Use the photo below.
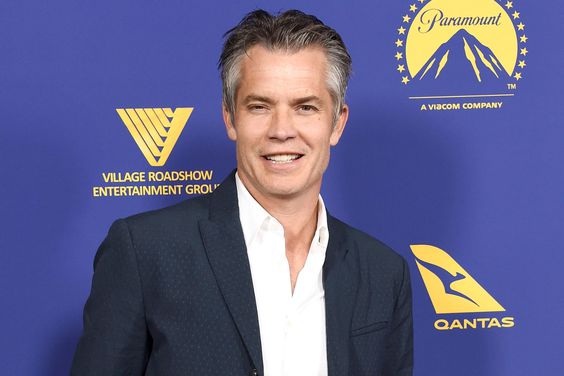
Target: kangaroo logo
(451, 288)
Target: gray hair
(290, 31)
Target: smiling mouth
(282, 158)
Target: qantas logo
(451, 288)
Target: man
(256, 278)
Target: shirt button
(253, 372)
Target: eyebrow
(257, 98)
(311, 98)
(297, 101)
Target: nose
(282, 126)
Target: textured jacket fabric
(172, 294)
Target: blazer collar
(340, 281)
(227, 254)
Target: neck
(298, 216)
(296, 213)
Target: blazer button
(253, 372)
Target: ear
(229, 127)
(339, 126)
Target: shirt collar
(253, 216)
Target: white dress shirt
(292, 327)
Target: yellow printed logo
(451, 288)
(155, 130)
(461, 54)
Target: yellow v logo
(155, 130)
(451, 288)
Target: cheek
(249, 129)
(323, 150)
(247, 143)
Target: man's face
(283, 122)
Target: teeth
(282, 158)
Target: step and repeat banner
(453, 155)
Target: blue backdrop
(433, 160)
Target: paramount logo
(463, 57)
(432, 17)
(470, 52)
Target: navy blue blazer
(172, 294)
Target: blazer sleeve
(399, 349)
(115, 340)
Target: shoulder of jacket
(369, 246)
(187, 211)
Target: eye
(307, 108)
(257, 107)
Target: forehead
(279, 71)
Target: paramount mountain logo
(464, 57)
(453, 290)
(155, 130)
(461, 54)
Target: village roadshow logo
(461, 54)
(454, 291)
(155, 131)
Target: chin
(281, 190)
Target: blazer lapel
(225, 246)
(340, 281)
